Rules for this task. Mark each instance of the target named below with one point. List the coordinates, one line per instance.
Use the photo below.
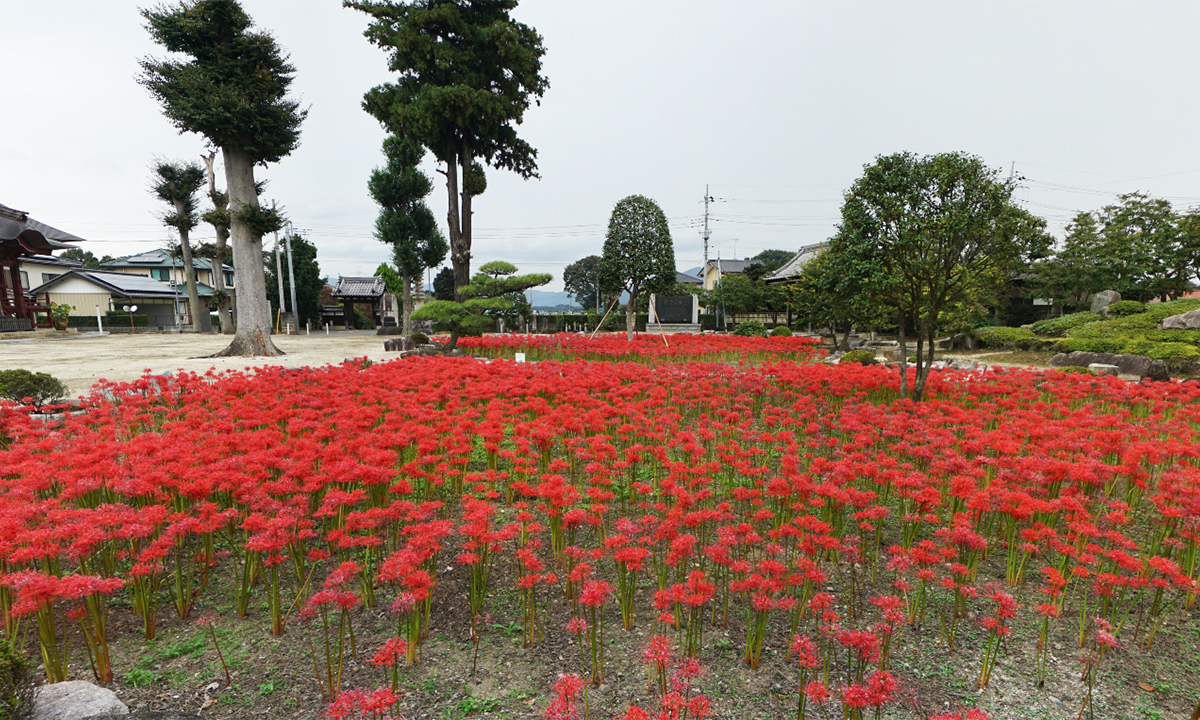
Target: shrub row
(122, 320)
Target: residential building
(792, 268)
(40, 269)
(89, 291)
(712, 272)
(160, 265)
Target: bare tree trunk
(189, 275)
(631, 314)
(253, 336)
(903, 356)
(220, 201)
(460, 249)
(406, 303)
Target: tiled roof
(122, 284)
(50, 260)
(795, 266)
(372, 287)
(160, 259)
(687, 279)
(732, 266)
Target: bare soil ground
(82, 360)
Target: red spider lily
(775, 479)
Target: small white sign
(520, 357)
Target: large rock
(1184, 321)
(75, 700)
(399, 344)
(1143, 367)
(1101, 300)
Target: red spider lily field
(680, 528)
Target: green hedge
(1126, 307)
(862, 357)
(1057, 327)
(1007, 338)
(122, 320)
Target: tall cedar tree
(443, 284)
(405, 222)
(233, 91)
(638, 253)
(468, 73)
(176, 183)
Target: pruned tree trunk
(189, 275)
(631, 314)
(903, 356)
(406, 303)
(460, 248)
(253, 335)
(220, 201)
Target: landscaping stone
(1138, 365)
(1184, 321)
(398, 344)
(1101, 300)
(1103, 369)
(75, 700)
(147, 715)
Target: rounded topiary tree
(638, 254)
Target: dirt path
(80, 361)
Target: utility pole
(292, 273)
(706, 233)
(279, 273)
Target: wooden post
(348, 314)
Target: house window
(47, 277)
(24, 276)
(228, 279)
(163, 274)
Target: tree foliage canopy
(582, 281)
(467, 74)
(920, 234)
(234, 89)
(495, 291)
(638, 251)
(405, 222)
(176, 183)
(1138, 246)
(308, 281)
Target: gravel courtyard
(80, 361)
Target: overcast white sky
(775, 105)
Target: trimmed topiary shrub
(38, 388)
(420, 338)
(1006, 338)
(862, 357)
(1075, 369)
(1113, 344)
(1126, 307)
(1057, 327)
(781, 331)
(751, 328)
